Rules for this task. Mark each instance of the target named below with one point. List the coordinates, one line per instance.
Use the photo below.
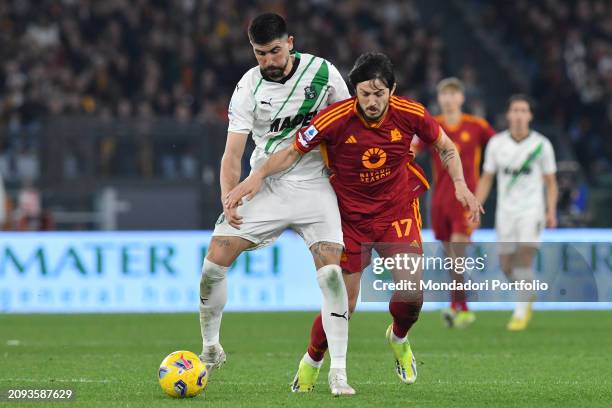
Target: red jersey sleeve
(322, 127)
(307, 138)
(427, 128)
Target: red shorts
(396, 231)
(449, 217)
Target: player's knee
(329, 278)
(212, 275)
(326, 253)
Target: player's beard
(276, 73)
(376, 118)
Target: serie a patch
(310, 133)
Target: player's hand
(468, 201)
(248, 188)
(232, 217)
(551, 219)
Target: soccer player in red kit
(366, 142)
(449, 219)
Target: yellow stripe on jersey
(334, 118)
(407, 104)
(413, 111)
(326, 115)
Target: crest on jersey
(396, 135)
(310, 92)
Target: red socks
(404, 316)
(318, 340)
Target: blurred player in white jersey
(524, 162)
(270, 103)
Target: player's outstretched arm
(483, 188)
(278, 162)
(451, 161)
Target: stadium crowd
(563, 42)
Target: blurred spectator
(29, 213)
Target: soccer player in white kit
(270, 103)
(524, 162)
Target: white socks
(311, 362)
(213, 296)
(521, 307)
(334, 313)
(396, 339)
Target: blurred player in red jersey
(449, 219)
(367, 141)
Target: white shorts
(308, 207)
(517, 229)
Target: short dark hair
(520, 98)
(266, 28)
(371, 66)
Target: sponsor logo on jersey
(291, 122)
(373, 158)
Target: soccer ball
(182, 375)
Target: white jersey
(520, 167)
(273, 111)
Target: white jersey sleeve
(338, 91)
(548, 163)
(241, 111)
(489, 162)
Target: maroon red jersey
(371, 163)
(470, 136)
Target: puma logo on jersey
(290, 122)
(351, 139)
(269, 102)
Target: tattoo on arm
(446, 155)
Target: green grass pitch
(564, 359)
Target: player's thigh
(264, 218)
(507, 232)
(530, 229)
(223, 250)
(317, 220)
(440, 222)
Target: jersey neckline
(296, 62)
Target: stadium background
(112, 126)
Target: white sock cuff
(329, 271)
(213, 271)
(311, 362)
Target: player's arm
(483, 188)
(552, 194)
(449, 156)
(251, 185)
(231, 168)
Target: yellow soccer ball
(182, 375)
